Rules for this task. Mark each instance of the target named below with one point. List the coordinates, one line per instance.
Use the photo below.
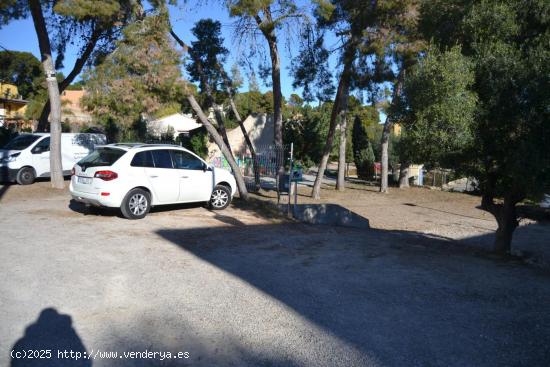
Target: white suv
(135, 177)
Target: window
(101, 157)
(162, 158)
(184, 160)
(143, 159)
(21, 142)
(41, 147)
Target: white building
(181, 123)
(260, 129)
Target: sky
(20, 36)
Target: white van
(27, 156)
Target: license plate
(84, 180)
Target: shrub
(196, 141)
(363, 155)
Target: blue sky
(20, 36)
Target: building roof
(16, 101)
(179, 121)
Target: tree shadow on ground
(398, 297)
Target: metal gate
(269, 158)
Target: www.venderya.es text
(68, 354)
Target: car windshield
(21, 142)
(101, 157)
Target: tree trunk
(219, 121)
(224, 149)
(343, 88)
(507, 223)
(205, 87)
(386, 136)
(56, 168)
(44, 116)
(271, 39)
(404, 175)
(506, 217)
(341, 179)
(277, 93)
(384, 155)
(255, 162)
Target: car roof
(132, 146)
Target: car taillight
(106, 175)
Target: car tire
(136, 204)
(220, 198)
(25, 176)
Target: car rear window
(101, 157)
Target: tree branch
(81, 61)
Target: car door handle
(184, 176)
(153, 176)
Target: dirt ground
(243, 287)
(448, 215)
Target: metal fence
(268, 157)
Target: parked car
(135, 177)
(27, 156)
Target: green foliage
(369, 117)
(437, 108)
(112, 130)
(310, 69)
(65, 126)
(197, 142)
(308, 129)
(23, 70)
(86, 23)
(141, 77)
(507, 43)
(248, 7)
(363, 154)
(103, 10)
(76, 86)
(167, 136)
(295, 100)
(280, 11)
(167, 109)
(209, 50)
(254, 102)
(39, 98)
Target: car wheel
(25, 176)
(136, 204)
(220, 198)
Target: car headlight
(10, 158)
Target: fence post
(290, 177)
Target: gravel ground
(449, 215)
(236, 288)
